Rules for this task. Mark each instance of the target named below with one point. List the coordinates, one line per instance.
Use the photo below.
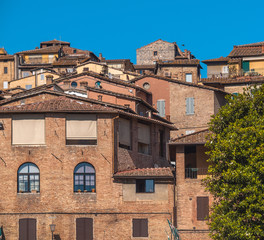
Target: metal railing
(196, 173)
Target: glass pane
(79, 168)
(23, 168)
(33, 168)
(149, 185)
(89, 168)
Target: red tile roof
(6, 57)
(52, 49)
(54, 41)
(146, 173)
(60, 104)
(220, 59)
(251, 44)
(239, 51)
(194, 138)
(235, 80)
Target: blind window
(124, 132)
(140, 227)
(143, 133)
(202, 208)
(189, 106)
(81, 127)
(28, 129)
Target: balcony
(196, 173)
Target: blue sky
(207, 28)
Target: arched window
(28, 178)
(84, 178)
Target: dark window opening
(74, 84)
(145, 186)
(98, 84)
(190, 162)
(161, 143)
(80, 142)
(74, 51)
(5, 70)
(84, 178)
(202, 208)
(155, 53)
(140, 227)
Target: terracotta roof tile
(52, 49)
(146, 172)
(54, 41)
(246, 51)
(194, 138)
(251, 44)
(239, 80)
(220, 59)
(6, 57)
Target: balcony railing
(196, 173)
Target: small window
(155, 53)
(25, 74)
(161, 107)
(188, 77)
(145, 186)
(5, 70)
(84, 178)
(100, 97)
(143, 138)
(146, 85)
(5, 85)
(98, 84)
(42, 77)
(28, 87)
(28, 178)
(140, 227)
(124, 133)
(189, 106)
(202, 208)
(225, 69)
(74, 51)
(74, 84)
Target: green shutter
(245, 66)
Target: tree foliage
(236, 172)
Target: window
(74, 51)
(140, 227)
(202, 208)
(51, 57)
(143, 138)
(28, 178)
(42, 77)
(27, 229)
(5, 84)
(161, 107)
(98, 84)
(84, 178)
(155, 53)
(5, 70)
(28, 129)
(25, 74)
(146, 85)
(81, 129)
(74, 84)
(84, 229)
(190, 161)
(189, 106)
(124, 133)
(225, 69)
(188, 77)
(28, 87)
(145, 186)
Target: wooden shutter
(245, 66)
(190, 105)
(161, 107)
(81, 127)
(188, 77)
(28, 129)
(124, 132)
(27, 229)
(84, 229)
(202, 208)
(140, 227)
(143, 133)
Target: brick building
(6, 68)
(166, 59)
(65, 160)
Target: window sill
(145, 154)
(80, 193)
(25, 145)
(28, 193)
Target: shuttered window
(28, 129)
(27, 229)
(124, 133)
(190, 106)
(143, 138)
(84, 229)
(161, 107)
(188, 77)
(202, 208)
(140, 227)
(81, 129)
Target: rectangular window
(51, 57)
(5, 70)
(143, 138)
(140, 227)
(155, 53)
(25, 74)
(28, 129)
(84, 229)
(188, 77)
(81, 129)
(27, 229)
(225, 69)
(161, 107)
(189, 106)
(42, 77)
(5, 85)
(124, 133)
(245, 66)
(202, 208)
(28, 87)
(145, 186)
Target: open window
(143, 138)
(145, 186)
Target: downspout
(113, 144)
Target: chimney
(262, 48)
(100, 56)
(49, 79)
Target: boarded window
(81, 129)
(188, 77)
(27, 229)
(140, 227)
(161, 107)
(190, 106)
(202, 208)
(124, 133)
(28, 129)
(84, 229)
(143, 138)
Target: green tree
(236, 172)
